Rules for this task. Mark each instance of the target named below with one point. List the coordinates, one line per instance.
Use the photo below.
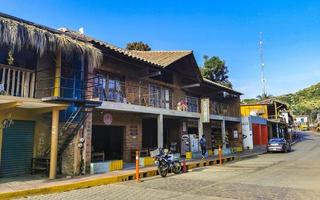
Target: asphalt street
(295, 175)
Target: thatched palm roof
(18, 33)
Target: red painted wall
(260, 134)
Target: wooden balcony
(16, 81)
(227, 108)
(144, 95)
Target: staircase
(69, 129)
(67, 133)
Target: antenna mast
(263, 79)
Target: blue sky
(228, 29)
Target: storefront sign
(205, 110)
(107, 119)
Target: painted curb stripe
(101, 181)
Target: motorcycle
(165, 163)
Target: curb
(250, 155)
(103, 181)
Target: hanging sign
(205, 110)
(107, 119)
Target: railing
(72, 88)
(279, 118)
(16, 81)
(145, 95)
(225, 109)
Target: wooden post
(137, 167)
(54, 144)
(139, 93)
(57, 77)
(275, 110)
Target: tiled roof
(162, 58)
(220, 85)
(112, 47)
(158, 58)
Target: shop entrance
(216, 134)
(149, 133)
(171, 136)
(107, 143)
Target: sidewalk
(32, 185)
(257, 150)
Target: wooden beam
(157, 73)
(191, 85)
(9, 105)
(37, 111)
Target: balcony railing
(70, 88)
(225, 109)
(16, 81)
(142, 94)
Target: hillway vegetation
(302, 102)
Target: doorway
(107, 143)
(17, 149)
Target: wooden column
(54, 144)
(160, 131)
(57, 77)
(275, 110)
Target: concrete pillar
(160, 130)
(277, 128)
(200, 128)
(54, 144)
(223, 133)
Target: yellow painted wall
(24, 114)
(246, 109)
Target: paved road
(270, 176)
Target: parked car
(278, 145)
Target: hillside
(306, 101)
(303, 102)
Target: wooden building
(86, 101)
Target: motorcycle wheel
(163, 170)
(176, 167)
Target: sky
(228, 29)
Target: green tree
(264, 96)
(138, 46)
(216, 70)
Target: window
(192, 104)
(109, 88)
(159, 96)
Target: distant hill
(303, 102)
(306, 101)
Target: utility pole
(263, 79)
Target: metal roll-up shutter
(17, 149)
